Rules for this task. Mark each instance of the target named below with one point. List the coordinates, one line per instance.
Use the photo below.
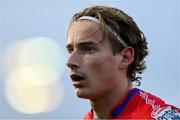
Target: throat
(100, 112)
(102, 107)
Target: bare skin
(103, 75)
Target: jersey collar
(118, 108)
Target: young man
(106, 51)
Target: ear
(127, 57)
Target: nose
(73, 61)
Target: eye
(70, 50)
(86, 49)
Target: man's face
(93, 67)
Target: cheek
(101, 66)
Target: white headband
(108, 28)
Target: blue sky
(158, 19)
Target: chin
(83, 97)
(82, 94)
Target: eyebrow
(86, 43)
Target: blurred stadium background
(34, 81)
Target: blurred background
(34, 81)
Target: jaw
(82, 93)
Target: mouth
(76, 77)
(77, 80)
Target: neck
(102, 107)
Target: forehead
(84, 30)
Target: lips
(77, 77)
(77, 80)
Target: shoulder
(150, 100)
(155, 107)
